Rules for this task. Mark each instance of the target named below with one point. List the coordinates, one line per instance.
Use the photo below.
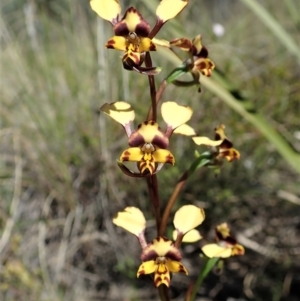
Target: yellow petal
(147, 267)
(133, 154)
(175, 115)
(185, 129)
(220, 132)
(213, 250)
(237, 250)
(230, 154)
(223, 230)
(191, 236)
(188, 217)
(168, 9)
(146, 45)
(162, 246)
(197, 42)
(204, 65)
(162, 43)
(206, 141)
(131, 219)
(176, 267)
(116, 42)
(183, 43)
(132, 19)
(163, 156)
(149, 132)
(107, 9)
(120, 111)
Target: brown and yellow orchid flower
(226, 245)
(198, 63)
(160, 257)
(221, 147)
(149, 143)
(132, 32)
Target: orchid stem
(171, 203)
(153, 111)
(163, 292)
(159, 93)
(180, 184)
(153, 191)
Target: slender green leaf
(278, 31)
(210, 263)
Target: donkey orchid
(132, 32)
(160, 257)
(149, 143)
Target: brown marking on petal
(157, 281)
(121, 29)
(203, 52)
(143, 28)
(148, 253)
(211, 65)
(125, 156)
(132, 57)
(167, 279)
(110, 44)
(230, 240)
(136, 139)
(170, 159)
(161, 141)
(174, 254)
(152, 47)
(183, 43)
(201, 65)
(181, 269)
(230, 154)
(146, 167)
(226, 144)
(141, 272)
(226, 153)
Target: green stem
(210, 263)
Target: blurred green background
(60, 185)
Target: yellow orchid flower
(221, 146)
(132, 32)
(149, 143)
(226, 245)
(160, 257)
(199, 63)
